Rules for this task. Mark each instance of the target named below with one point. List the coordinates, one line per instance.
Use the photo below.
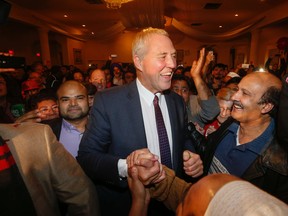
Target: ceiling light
(65, 15)
(83, 25)
(115, 4)
(220, 26)
(236, 15)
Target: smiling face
(98, 79)
(247, 107)
(49, 108)
(158, 62)
(73, 100)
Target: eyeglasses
(45, 109)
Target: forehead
(97, 73)
(224, 103)
(166, 45)
(71, 90)
(253, 84)
(48, 102)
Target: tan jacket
(171, 191)
(49, 171)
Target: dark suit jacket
(56, 125)
(116, 128)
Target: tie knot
(156, 100)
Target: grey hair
(138, 44)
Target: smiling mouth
(168, 74)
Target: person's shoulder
(117, 92)
(53, 122)
(26, 128)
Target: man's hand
(32, 116)
(193, 165)
(197, 65)
(149, 169)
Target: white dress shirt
(148, 112)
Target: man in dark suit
(123, 120)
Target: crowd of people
(147, 130)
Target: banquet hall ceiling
(199, 19)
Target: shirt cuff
(122, 168)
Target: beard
(73, 116)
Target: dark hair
(233, 80)
(44, 94)
(181, 77)
(220, 65)
(272, 95)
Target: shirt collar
(259, 143)
(147, 95)
(68, 126)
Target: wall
(24, 40)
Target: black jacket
(269, 171)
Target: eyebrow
(67, 97)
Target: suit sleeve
(69, 182)
(95, 144)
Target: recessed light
(220, 26)
(65, 15)
(83, 25)
(92, 33)
(236, 15)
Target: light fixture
(115, 4)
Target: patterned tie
(162, 134)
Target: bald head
(70, 85)
(266, 79)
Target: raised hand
(140, 194)
(32, 116)
(197, 65)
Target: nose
(50, 111)
(225, 112)
(171, 61)
(73, 102)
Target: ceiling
(185, 16)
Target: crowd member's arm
(205, 69)
(208, 102)
(164, 185)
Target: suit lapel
(136, 113)
(172, 110)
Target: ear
(137, 62)
(266, 108)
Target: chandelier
(115, 4)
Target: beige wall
(24, 40)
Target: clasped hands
(145, 169)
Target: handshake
(145, 170)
